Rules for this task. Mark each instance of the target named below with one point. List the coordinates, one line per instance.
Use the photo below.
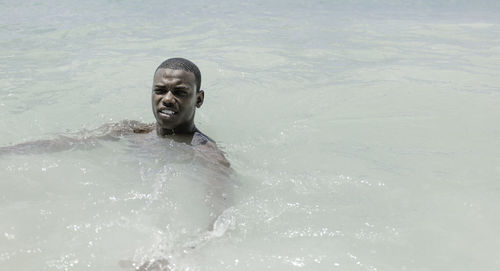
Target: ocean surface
(362, 135)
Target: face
(174, 99)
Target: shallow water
(363, 136)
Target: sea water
(363, 135)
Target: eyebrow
(163, 86)
(181, 85)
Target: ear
(200, 96)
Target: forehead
(170, 76)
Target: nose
(168, 100)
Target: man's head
(178, 63)
(176, 95)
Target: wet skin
(174, 100)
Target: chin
(164, 125)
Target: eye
(159, 91)
(180, 92)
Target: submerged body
(203, 146)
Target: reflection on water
(363, 135)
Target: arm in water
(206, 152)
(220, 180)
(82, 140)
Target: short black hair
(178, 63)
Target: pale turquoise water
(364, 135)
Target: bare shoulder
(139, 127)
(125, 127)
(208, 150)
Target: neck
(180, 133)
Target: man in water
(175, 96)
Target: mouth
(166, 113)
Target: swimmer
(175, 96)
